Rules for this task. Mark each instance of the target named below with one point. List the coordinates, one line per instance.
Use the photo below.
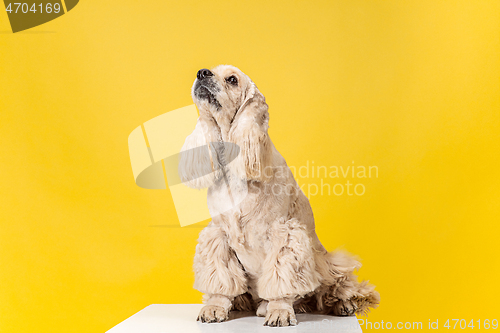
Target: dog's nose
(203, 73)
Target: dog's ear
(196, 164)
(249, 133)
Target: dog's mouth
(204, 92)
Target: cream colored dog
(260, 251)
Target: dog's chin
(206, 99)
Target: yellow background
(409, 86)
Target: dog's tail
(340, 292)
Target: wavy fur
(263, 253)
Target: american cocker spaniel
(260, 252)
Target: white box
(173, 318)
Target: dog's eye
(232, 80)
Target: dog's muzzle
(205, 88)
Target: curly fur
(260, 252)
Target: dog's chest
(248, 210)
(251, 246)
(251, 260)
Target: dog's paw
(280, 318)
(345, 308)
(262, 309)
(213, 314)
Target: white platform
(173, 318)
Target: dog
(260, 252)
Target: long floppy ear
(196, 163)
(249, 132)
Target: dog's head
(223, 92)
(233, 110)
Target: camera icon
(155, 155)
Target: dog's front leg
(288, 272)
(216, 309)
(218, 273)
(280, 313)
